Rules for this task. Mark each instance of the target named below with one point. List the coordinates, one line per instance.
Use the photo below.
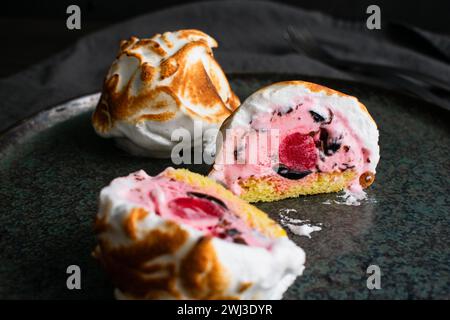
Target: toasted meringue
(180, 235)
(160, 84)
(320, 140)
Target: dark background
(32, 30)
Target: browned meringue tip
(154, 79)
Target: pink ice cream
(187, 205)
(306, 132)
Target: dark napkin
(251, 39)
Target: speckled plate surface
(52, 167)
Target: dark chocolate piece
(290, 174)
(328, 146)
(330, 117)
(332, 147)
(232, 232)
(239, 240)
(317, 117)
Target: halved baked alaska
(296, 138)
(180, 235)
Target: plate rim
(18, 129)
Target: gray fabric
(250, 36)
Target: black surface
(43, 22)
(250, 36)
(430, 15)
(52, 170)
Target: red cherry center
(195, 209)
(298, 151)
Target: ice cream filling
(305, 137)
(200, 209)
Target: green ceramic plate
(53, 166)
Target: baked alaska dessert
(160, 84)
(297, 138)
(180, 235)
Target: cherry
(298, 151)
(195, 208)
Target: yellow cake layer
(272, 188)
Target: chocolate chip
(317, 117)
(330, 118)
(239, 240)
(346, 148)
(290, 174)
(327, 145)
(346, 166)
(279, 113)
(223, 223)
(232, 232)
(333, 147)
(323, 136)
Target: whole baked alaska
(180, 235)
(296, 138)
(161, 84)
